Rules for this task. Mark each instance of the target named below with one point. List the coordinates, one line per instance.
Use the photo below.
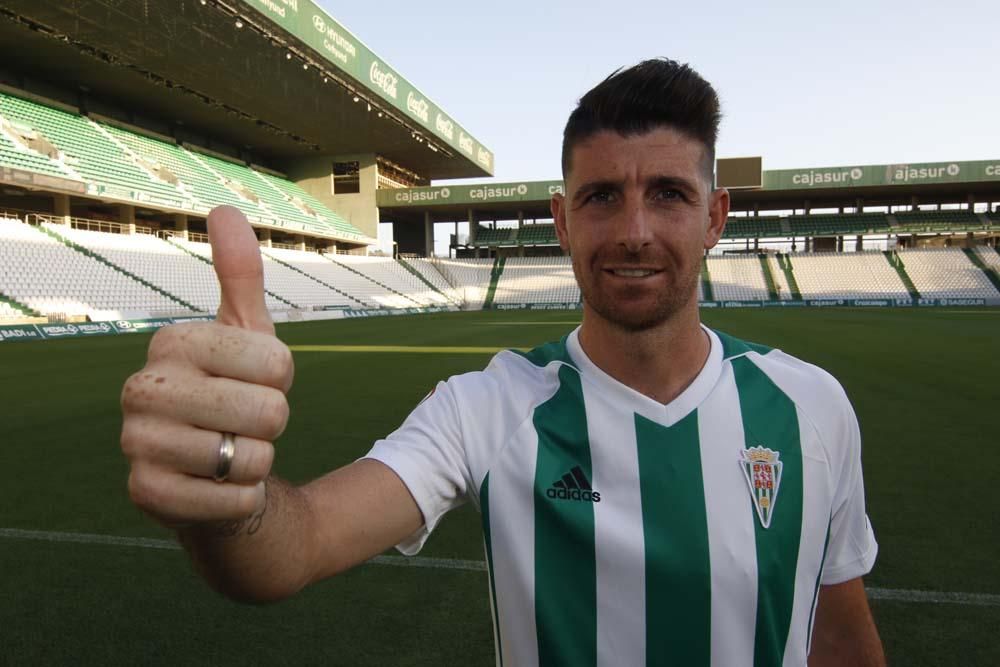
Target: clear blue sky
(803, 84)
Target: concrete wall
(315, 176)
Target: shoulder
(498, 398)
(818, 395)
(804, 383)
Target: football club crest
(762, 470)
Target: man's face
(637, 216)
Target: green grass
(924, 384)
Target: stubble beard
(668, 302)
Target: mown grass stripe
(888, 594)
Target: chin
(635, 318)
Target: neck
(659, 362)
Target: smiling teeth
(633, 273)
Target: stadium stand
(780, 279)
(537, 235)
(989, 256)
(9, 312)
(946, 273)
(470, 279)
(387, 271)
(853, 275)
(486, 236)
(938, 221)
(428, 269)
(537, 280)
(755, 227)
(89, 151)
(16, 151)
(152, 259)
(736, 277)
(834, 224)
(285, 288)
(54, 279)
(361, 290)
(114, 162)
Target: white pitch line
(890, 594)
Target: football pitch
(89, 580)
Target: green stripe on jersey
(565, 557)
(484, 503)
(770, 420)
(675, 529)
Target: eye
(668, 194)
(600, 197)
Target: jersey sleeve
(852, 547)
(427, 453)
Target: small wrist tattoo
(251, 523)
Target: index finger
(227, 351)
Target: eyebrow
(656, 182)
(676, 182)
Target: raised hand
(202, 380)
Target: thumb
(240, 270)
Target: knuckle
(130, 391)
(164, 342)
(142, 490)
(279, 365)
(130, 441)
(245, 500)
(259, 461)
(272, 414)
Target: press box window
(346, 179)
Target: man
(652, 492)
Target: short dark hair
(653, 94)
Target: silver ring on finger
(227, 450)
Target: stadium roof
(784, 189)
(272, 79)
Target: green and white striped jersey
(621, 531)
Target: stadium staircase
(421, 277)
(212, 264)
(47, 229)
(785, 262)
(495, 273)
(897, 263)
(706, 281)
(370, 279)
(772, 288)
(16, 305)
(991, 274)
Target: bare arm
(844, 633)
(305, 534)
(251, 535)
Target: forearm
(265, 557)
(844, 634)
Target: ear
(718, 212)
(558, 207)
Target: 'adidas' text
(574, 485)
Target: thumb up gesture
(200, 418)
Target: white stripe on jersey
(512, 533)
(621, 573)
(730, 527)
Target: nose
(635, 227)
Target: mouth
(632, 273)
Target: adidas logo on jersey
(574, 485)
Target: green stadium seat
(117, 163)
